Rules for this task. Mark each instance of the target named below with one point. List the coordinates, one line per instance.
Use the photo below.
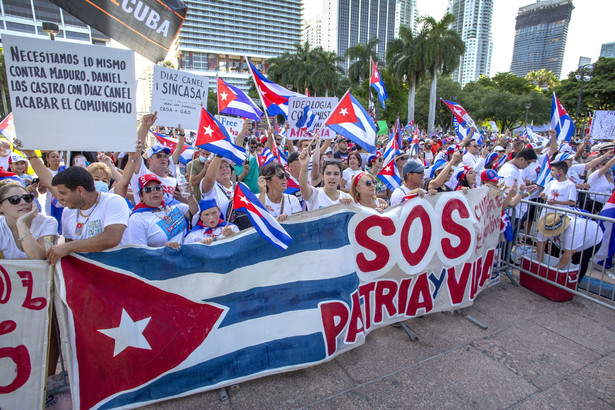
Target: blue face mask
(101, 186)
(202, 158)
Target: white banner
(603, 125)
(321, 106)
(71, 96)
(233, 125)
(178, 97)
(25, 287)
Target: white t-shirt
(581, 234)
(111, 209)
(291, 205)
(600, 184)
(575, 172)
(561, 191)
(319, 199)
(4, 162)
(398, 195)
(156, 228)
(348, 174)
(49, 197)
(41, 226)
(200, 234)
(512, 177)
(477, 162)
(168, 185)
(220, 193)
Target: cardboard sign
(147, 26)
(233, 125)
(321, 106)
(68, 96)
(178, 97)
(25, 287)
(149, 332)
(603, 125)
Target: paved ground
(535, 354)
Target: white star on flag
(208, 130)
(224, 95)
(344, 111)
(388, 168)
(128, 334)
(375, 74)
(245, 200)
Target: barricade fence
(575, 249)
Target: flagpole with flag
(259, 94)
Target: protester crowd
(149, 198)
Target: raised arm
(553, 148)
(39, 169)
(606, 167)
(315, 173)
(210, 176)
(242, 134)
(121, 187)
(147, 122)
(304, 161)
(181, 137)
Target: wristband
(33, 156)
(25, 236)
(182, 135)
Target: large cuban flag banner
(141, 325)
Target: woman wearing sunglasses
(24, 232)
(155, 224)
(328, 194)
(363, 191)
(272, 184)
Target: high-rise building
(349, 22)
(608, 50)
(540, 37)
(406, 14)
(25, 17)
(217, 35)
(312, 32)
(473, 24)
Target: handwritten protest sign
(25, 287)
(233, 125)
(149, 332)
(321, 106)
(178, 97)
(603, 125)
(71, 96)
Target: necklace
(79, 226)
(166, 218)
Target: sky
(591, 25)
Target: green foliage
(447, 88)
(360, 55)
(543, 79)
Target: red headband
(357, 178)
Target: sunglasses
(162, 155)
(333, 161)
(15, 199)
(149, 189)
(369, 182)
(282, 175)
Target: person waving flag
(213, 137)
(233, 101)
(274, 96)
(264, 223)
(377, 83)
(460, 113)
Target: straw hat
(553, 224)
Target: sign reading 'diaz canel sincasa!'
(146, 26)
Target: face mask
(202, 159)
(101, 186)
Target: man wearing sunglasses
(92, 221)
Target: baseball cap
(412, 166)
(373, 157)
(498, 148)
(155, 149)
(146, 178)
(293, 157)
(490, 175)
(17, 158)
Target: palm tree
(441, 50)
(302, 66)
(360, 54)
(543, 79)
(326, 72)
(405, 62)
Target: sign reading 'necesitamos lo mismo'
(71, 96)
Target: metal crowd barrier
(597, 284)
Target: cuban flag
(8, 176)
(544, 176)
(265, 157)
(213, 137)
(264, 223)
(377, 83)
(292, 185)
(561, 121)
(187, 155)
(397, 133)
(275, 96)
(307, 120)
(389, 173)
(168, 142)
(233, 101)
(351, 120)
(415, 150)
(460, 113)
(7, 128)
(409, 125)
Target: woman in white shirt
(600, 180)
(328, 194)
(272, 184)
(354, 167)
(152, 223)
(24, 232)
(363, 191)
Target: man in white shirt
(473, 159)
(413, 173)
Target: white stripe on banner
(323, 264)
(241, 106)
